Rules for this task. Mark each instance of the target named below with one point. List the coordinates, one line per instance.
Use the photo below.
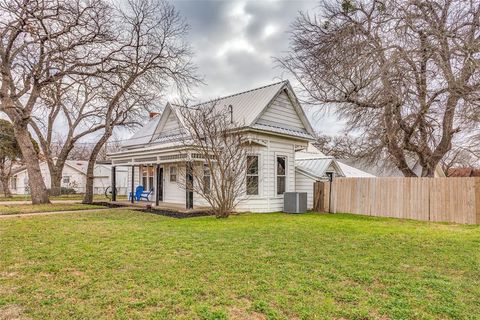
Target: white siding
(136, 180)
(305, 184)
(268, 200)
(172, 192)
(281, 111)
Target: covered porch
(163, 173)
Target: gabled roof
(314, 163)
(318, 167)
(248, 106)
(143, 135)
(464, 172)
(351, 172)
(388, 169)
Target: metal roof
(247, 105)
(317, 167)
(286, 131)
(144, 134)
(352, 172)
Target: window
(13, 183)
(252, 175)
(66, 179)
(281, 174)
(151, 173)
(144, 177)
(173, 174)
(206, 178)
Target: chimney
(152, 114)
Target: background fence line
(428, 199)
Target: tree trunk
(6, 190)
(88, 198)
(38, 190)
(4, 179)
(56, 180)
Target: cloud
(235, 42)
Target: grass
(130, 265)
(78, 196)
(32, 208)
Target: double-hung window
(252, 175)
(173, 174)
(144, 173)
(206, 178)
(281, 167)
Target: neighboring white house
(74, 176)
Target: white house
(273, 121)
(74, 176)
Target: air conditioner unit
(295, 202)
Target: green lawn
(31, 208)
(79, 196)
(132, 265)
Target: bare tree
(405, 74)
(340, 147)
(218, 167)
(465, 153)
(73, 105)
(42, 42)
(154, 56)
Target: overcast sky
(235, 42)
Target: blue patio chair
(138, 193)
(146, 195)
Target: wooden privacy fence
(430, 199)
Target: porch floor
(166, 206)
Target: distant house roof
(388, 169)
(353, 172)
(247, 108)
(79, 165)
(464, 172)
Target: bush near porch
(123, 264)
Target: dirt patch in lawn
(12, 312)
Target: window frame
(66, 182)
(257, 175)
(284, 176)
(206, 169)
(170, 174)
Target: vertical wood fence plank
(435, 199)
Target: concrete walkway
(34, 214)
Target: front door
(159, 188)
(189, 186)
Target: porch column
(114, 184)
(157, 188)
(132, 198)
